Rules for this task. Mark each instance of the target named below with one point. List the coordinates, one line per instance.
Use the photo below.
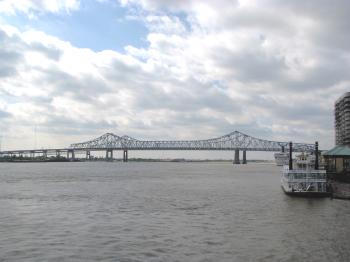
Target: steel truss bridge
(235, 141)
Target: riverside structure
(342, 120)
(338, 158)
(235, 141)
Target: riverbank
(32, 160)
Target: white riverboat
(281, 158)
(304, 179)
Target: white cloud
(34, 7)
(210, 67)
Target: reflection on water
(163, 212)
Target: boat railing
(299, 175)
(303, 176)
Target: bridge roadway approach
(235, 141)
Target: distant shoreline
(16, 160)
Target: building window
(331, 164)
(347, 164)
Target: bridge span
(235, 141)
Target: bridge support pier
(125, 156)
(58, 154)
(283, 149)
(244, 162)
(45, 154)
(69, 153)
(88, 155)
(109, 154)
(236, 161)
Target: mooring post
(244, 162)
(290, 156)
(236, 157)
(316, 155)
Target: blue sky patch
(96, 25)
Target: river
(103, 211)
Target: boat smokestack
(316, 155)
(290, 156)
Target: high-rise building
(342, 120)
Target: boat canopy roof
(338, 151)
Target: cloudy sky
(163, 69)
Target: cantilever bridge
(109, 142)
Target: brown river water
(99, 211)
